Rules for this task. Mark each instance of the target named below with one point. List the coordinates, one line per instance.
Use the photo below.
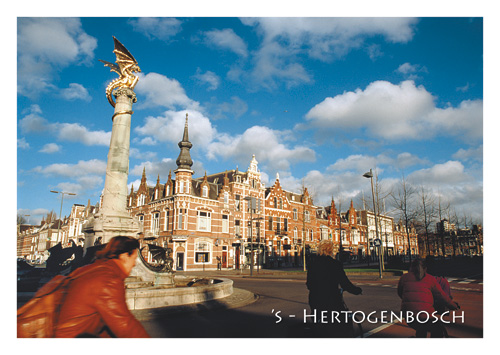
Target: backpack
(38, 317)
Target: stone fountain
(147, 287)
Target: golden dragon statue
(127, 65)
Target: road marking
(378, 329)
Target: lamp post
(251, 205)
(370, 176)
(60, 211)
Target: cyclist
(324, 276)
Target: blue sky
(318, 100)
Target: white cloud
(33, 122)
(397, 112)
(161, 91)
(448, 173)
(227, 39)
(156, 27)
(82, 168)
(136, 153)
(326, 39)
(209, 78)
(75, 92)
(231, 109)
(170, 126)
(265, 143)
(47, 45)
(22, 144)
(464, 88)
(474, 153)
(75, 132)
(50, 148)
(362, 163)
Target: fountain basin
(163, 296)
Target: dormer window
(204, 190)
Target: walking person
(324, 276)
(419, 291)
(95, 303)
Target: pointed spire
(184, 160)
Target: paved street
(281, 305)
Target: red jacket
(95, 304)
(419, 296)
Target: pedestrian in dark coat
(324, 276)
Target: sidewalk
(298, 273)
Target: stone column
(114, 200)
(113, 219)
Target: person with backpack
(94, 305)
(419, 291)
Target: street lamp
(60, 211)
(251, 205)
(370, 176)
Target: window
(202, 252)
(281, 203)
(225, 223)
(270, 223)
(237, 202)
(285, 227)
(167, 219)
(205, 191)
(155, 226)
(156, 194)
(226, 197)
(141, 200)
(237, 230)
(307, 216)
(168, 191)
(295, 214)
(204, 221)
(278, 225)
(181, 187)
(275, 202)
(180, 219)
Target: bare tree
(427, 213)
(441, 210)
(403, 198)
(50, 217)
(21, 219)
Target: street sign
(377, 242)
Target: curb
(238, 298)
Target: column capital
(125, 91)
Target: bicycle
(355, 329)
